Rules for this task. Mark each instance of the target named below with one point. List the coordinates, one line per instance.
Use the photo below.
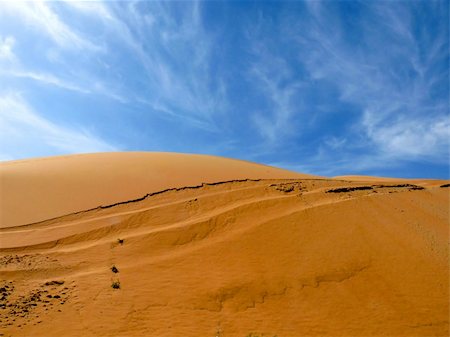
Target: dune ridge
(291, 255)
(79, 182)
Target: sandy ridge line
(193, 221)
(70, 223)
(179, 225)
(135, 200)
(19, 228)
(196, 220)
(74, 271)
(176, 189)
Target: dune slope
(39, 189)
(273, 253)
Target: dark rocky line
(337, 190)
(160, 192)
(143, 198)
(175, 189)
(360, 188)
(349, 189)
(410, 186)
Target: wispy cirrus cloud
(167, 50)
(6, 49)
(44, 78)
(388, 71)
(273, 78)
(42, 18)
(82, 86)
(25, 133)
(328, 87)
(174, 50)
(360, 92)
(412, 138)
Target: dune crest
(39, 189)
(209, 246)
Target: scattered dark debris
(23, 308)
(114, 269)
(349, 189)
(115, 285)
(287, 187)
(26, 261)
(51, 283)
(445, 185)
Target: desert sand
(163, 244)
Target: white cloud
(275, 125)
(88, 7)
(6, 48)
(40, 16)
(175, 55)
(25, 133)
(90, 86)
(45, 78)
(336, 143)
(271, 75)
(412, 138)
(389, 74)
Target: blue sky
(323, 87)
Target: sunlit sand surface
(159, 244)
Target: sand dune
(50, 187)
(207, 246)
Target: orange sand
(231, 248)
